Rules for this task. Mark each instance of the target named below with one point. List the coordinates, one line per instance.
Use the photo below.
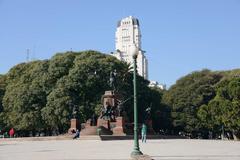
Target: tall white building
(128, 33)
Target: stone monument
(74, 121)
(110, 117)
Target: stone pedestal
(103, 123)
(74, 125)
(120, 126)
(109, 98)
(88, 129)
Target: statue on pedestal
(93, 120)
(74, 121)
(107, 112)
(112, 79)
(112, 111)
(147, 115)
(74, 112)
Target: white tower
(127, 34)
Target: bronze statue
(74, 112)
(147, 115)
(112, 80)
(93, 120)
(107, 112)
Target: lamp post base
(136, 153)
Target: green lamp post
(136, 150)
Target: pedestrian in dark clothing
(77, 134)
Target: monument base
(120, 127)
(116, 128)
(74, 126)
(103, 123)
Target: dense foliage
(2, 92)
(204, 102)
(223, 111)
(39, 96)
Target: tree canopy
(39, 96)
(204, 101)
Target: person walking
(11, 133)
(144, 133)
(77, 134)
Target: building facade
(128, 33)
(157, 85)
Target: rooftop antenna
(33, 53)
(27, 58)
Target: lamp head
(134, 51)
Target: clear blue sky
(180, 36)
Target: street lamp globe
(134, 51)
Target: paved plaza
(119, 150)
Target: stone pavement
(119, 150)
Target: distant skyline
(179, 37)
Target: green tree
(2, 92)
(224, 109)
(187, 95)
(161, 114)
(25, 96)
(40, 95)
